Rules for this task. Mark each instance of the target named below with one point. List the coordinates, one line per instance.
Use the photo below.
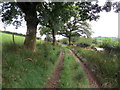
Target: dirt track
(94, 83)
(53, 82)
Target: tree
(12, 11)
(54, 16)
(51, 14)
(59, 13)
(46, 31)
(116, 6)
(75, 28)
(85, 11)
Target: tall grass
(105, 65)
(22, 68)
(72, 75)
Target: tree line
(54, 18)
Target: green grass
(22, 68)
(105, 65)
(7, 38)
(72, 75)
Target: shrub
(110, 45)
(64, 41)
(84, 42)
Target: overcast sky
(106, 26)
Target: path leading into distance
(53, 81)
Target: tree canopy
(75, 28)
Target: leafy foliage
(83, 40)
(110, 45)
(53, 16)
(77, 27)
(11, 14)
(88, 11)
(116, 6)
(64, 41)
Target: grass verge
(105, 65)
(22, 68)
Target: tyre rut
(53, 81)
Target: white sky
(106, 26)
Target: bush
(64, 41)
(83, 45)
(84, 42)
(110, 45)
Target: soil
(53, 81)
(93, 81)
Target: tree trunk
(53, 35)
(29, 9)
(30, 40)
(69, 40)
